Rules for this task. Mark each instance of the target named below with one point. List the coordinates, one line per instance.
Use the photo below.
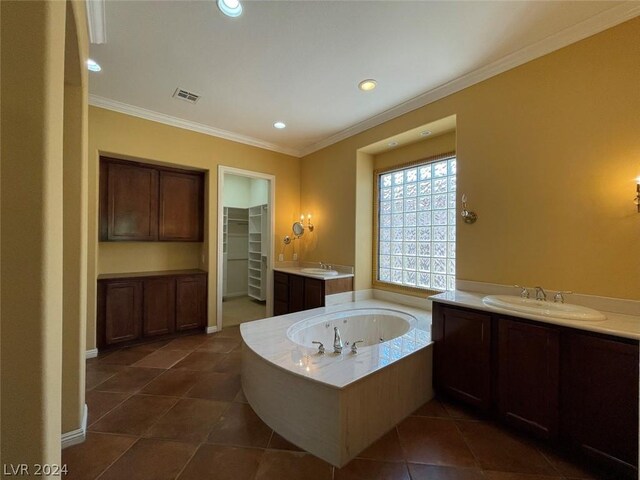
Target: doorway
(245, 246)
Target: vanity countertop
(160, 273)
(298, 271)
(617, 324)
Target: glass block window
(417, 225)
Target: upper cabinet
(141, 202)
(180, 207)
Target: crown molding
(602, 21)
(97, 21)
(139, 112)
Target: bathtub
(335, 405)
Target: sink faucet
(337, 341)
(559, 297)
(524, 293)
(541, 294)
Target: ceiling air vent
(186, 95)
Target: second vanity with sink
(564, 373)
(304, 287)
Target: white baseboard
(93, 353)
(79, 435)
(213, 329)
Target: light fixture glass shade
(231, 8)
(93, 66)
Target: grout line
(195, 450)
(110, 410)
(117, 458)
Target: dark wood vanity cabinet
(159, 311)
(528, 374)
(462, 354)
(576, 388)
(294, 293)
(191, 306)
(149, 305)
(120, 303)
(599, 392)
(140, 202)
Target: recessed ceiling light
(425, 133)
(279, 125)
(231, 8)
(393, 143)
(367, 85)
(93, 66)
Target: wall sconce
(637, 199)
(467, 215)
(309, 224)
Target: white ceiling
(300, 61)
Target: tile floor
(175, 410)
(236, 310)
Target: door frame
(271, 180)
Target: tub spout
(337, 341)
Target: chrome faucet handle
(337, 341)
(559, 296)
(525, 291)
(320, 347)
(322, 265)
(540, 294)
(354, 346)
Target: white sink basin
(319, 271)
(546, 309)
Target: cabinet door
(296, 293)
(191, 302)
(599, 387)
(528, 371)
(122, 311)
(132, 202)
(313, 293)
(462, 354)
(159, 310)
(181, 207)
(280, 293)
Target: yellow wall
(414, 152)
(125, 136)
(547, 154)
(37, 141)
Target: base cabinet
(528, 376)
(600, 398)
(159, 306)
(576, 388)
(462, 355)
(150, 305)
(122, 310)
(191, 305)
(294, 293)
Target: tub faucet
(337, 341)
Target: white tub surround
(336, 405)
(617, 324)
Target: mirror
(298, 229)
